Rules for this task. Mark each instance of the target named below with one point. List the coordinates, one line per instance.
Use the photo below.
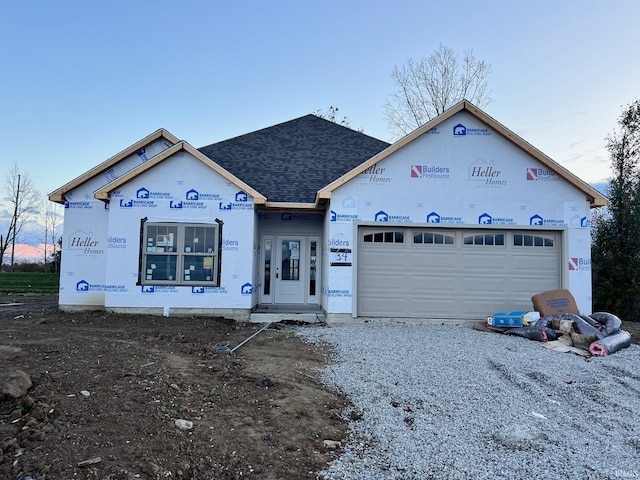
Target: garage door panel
(383, 282)
(376, 308)
(435, 258)
(470, 307)
(524, 288)
(481, 261)
(526, 263)
(455, 280)
(431, 271)
(384, 259)
(384, 305)
(435, 306)
(439, 287)
(486, 285)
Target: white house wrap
(460, 219)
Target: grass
(18, 282)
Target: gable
(447, 171)
(117, 165)
(180, 186)
(180, 149)
(453, 137)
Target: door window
(267, 268)
(290, 260)
(312, 268)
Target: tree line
(30, 214)
(615, 229)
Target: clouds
(29, 253)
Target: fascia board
(325, 193)
(595, 198)
(58, 195)
(291, 206)
(104, 193)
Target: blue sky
(83, 80)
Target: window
(266, 283)
(487, 239)
(433, 238)
(180, 254)
(531, 241)
(313, 255)
(290, 260)
(384, 237)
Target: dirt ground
(107, 390)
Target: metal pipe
(246, 340)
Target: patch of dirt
(108, 389)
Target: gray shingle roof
(291, 161)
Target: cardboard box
(554, 302)
(506, 319)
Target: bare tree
(51, 219)
(56, 256)
(429, 86)
(24, 200)
(331, 114)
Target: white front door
(289, 272)
(290, 269)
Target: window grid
(433, 238)
(179, 254)
(384, 237)
(485, 239)
(521, 240)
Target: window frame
(447, 238)
(175, 247)
(488, 240)
(532, 240)
(385, 237)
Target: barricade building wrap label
(182, 233)
(102, 240)
(462, 174)
(339, 248)
(204, 197)
(84, 249)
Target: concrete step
(308, 317)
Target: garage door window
(431, 238)
(384, 237)
(486, 239)
(531, 241)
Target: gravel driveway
(450, 402)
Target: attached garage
(459, 219)
(453, 272)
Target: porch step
(274, 317)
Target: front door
(290, 273)
(289, 269)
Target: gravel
(450, 402)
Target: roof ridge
(312, 116)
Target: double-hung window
(179, 254)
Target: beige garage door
(453, 273)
